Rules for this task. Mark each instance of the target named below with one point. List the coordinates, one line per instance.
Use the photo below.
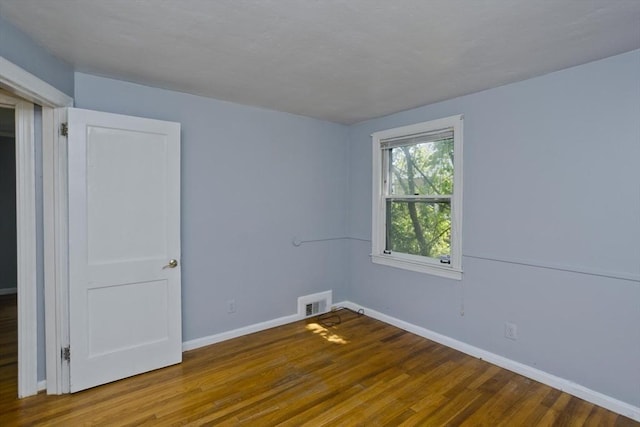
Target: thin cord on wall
(580, 270)
(297, 242)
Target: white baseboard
(543, 377)
(8, 291)
(562, 384)
(42, 385)
(245, 330)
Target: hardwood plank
(358, 372)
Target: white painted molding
(26, 237)
(30, 87)
(235, 333)
(8, 291)
(25, 85)
(54, 169)
(42, 385)
(562, 384)
(61, 247)
(50, 266)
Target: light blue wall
(252, 179)
(551, 177)
(18, 48)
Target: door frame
(25, 196)
(23, 84)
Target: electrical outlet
(231, 306)
(511, 331)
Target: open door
(124, 246)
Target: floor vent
(312, 305)
(316, 307)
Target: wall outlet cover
(511, 331)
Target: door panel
(124, 227)
(108, 333)
(127, 218)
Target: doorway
(23, 177)
(22, 88)
(8, 253)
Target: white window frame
(378, 233)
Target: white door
(124, 246)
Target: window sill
(392, 261)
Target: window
(417, 197)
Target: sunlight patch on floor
(326, 334)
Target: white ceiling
(339, 60)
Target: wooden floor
(8, 347)
(359, 372)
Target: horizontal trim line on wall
(558, 267)
(8, 291)
(551, 380)
(580, 270)
(297, 242)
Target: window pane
(422, 169)
(419, 228)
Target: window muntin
(417, 197)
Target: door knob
(173, 263)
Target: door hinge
(64, 129)
(65, 353)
